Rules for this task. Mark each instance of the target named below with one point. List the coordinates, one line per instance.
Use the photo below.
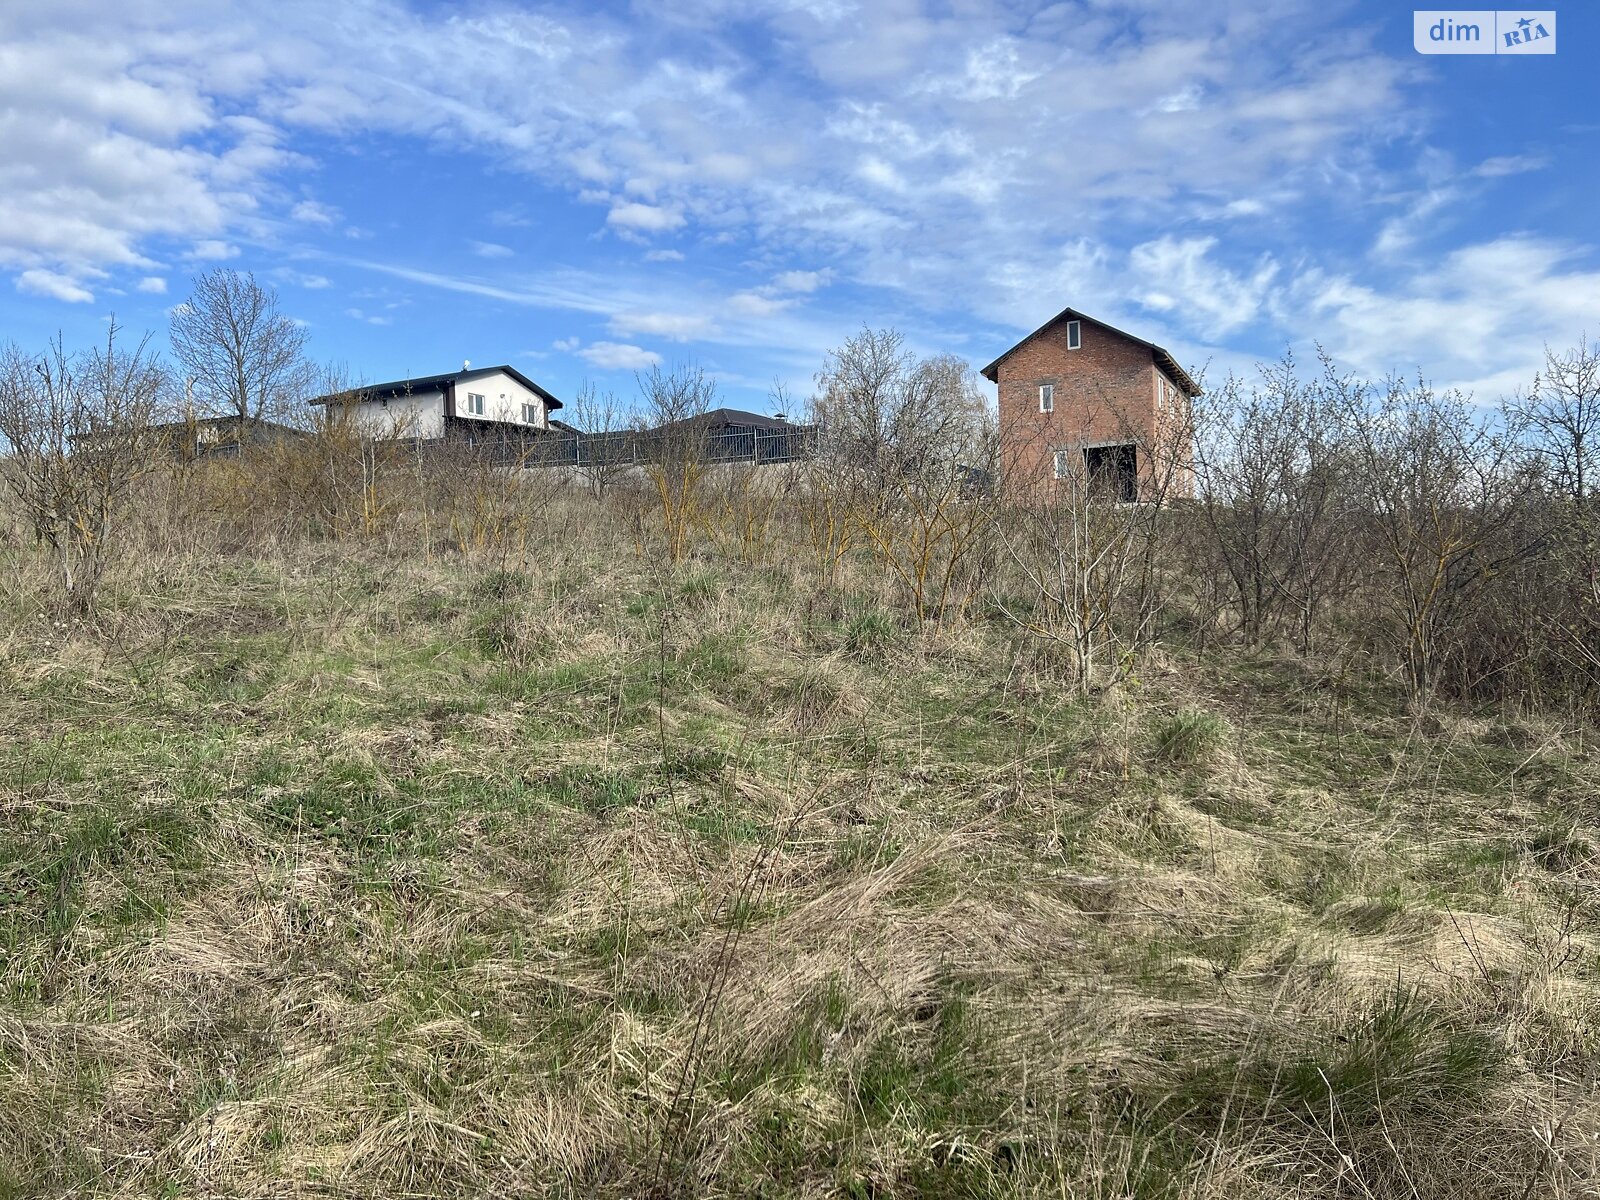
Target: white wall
(503, 398)
(416, 416)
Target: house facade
(472, 405)
(1080, 400)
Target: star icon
(1525, 22)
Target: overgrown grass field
(341, 874)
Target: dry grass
(339, 871)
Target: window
(530, 414)
(475, 404)
(1113, 470)
(1047, 397)
(1074, 335)
(1063, 463)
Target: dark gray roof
(257, 423)
(721, 418)
(432, 383)
(1163, 360)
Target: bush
(870, 633)
(1190, 737)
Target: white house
(472, 404)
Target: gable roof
(257, 423)
(1163, 360)
(718, 418)
(433, 383)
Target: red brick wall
(1105, 391)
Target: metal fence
(734, 444)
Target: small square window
(1047, 397)
(1074, 335)
(475, 404)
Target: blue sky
(584, 190)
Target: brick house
(1080, 399)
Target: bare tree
(1560, 420)
(603, 452)
(1270, 473)
(888, 421)
(1091, 556)
(1561, 415)
(78, 428)
(902, 447)
(672, 441)
(244, 357)
(1440, 488)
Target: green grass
(370, 878)
(1190, 737)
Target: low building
(734, 435)
(722, 435)
(472, 405)
(189, 438)
(1083, 400)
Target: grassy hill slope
(344, 876)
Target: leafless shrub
(904, 464)
(78, 427)
(890, 423)
(1439, 485)
(1273, 476)
(491, 498)
(672, 441)
(1560, 419)
(601, 453)
(1088, 541)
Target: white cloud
(680, 327)
(633, 217)
(491, 250)
(357, 314)
(906, 144)
(671, 123)
(992, 71)
(314, 212)
(1478, 318)
(1216, 300)
(882, 174)
(39, 282)
(155, 285)
(1185, 99)
(1510, 164)
(214, 250)
(615, 356)
(566, 344)
(802, 281)
(756, 304)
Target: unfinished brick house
(1083, 401)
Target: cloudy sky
(583, 190)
